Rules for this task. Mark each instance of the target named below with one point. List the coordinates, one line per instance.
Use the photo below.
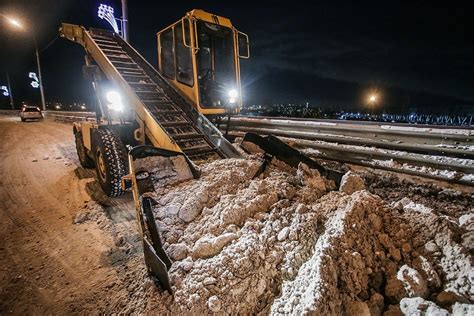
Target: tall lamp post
(18, 25)
(125, 20)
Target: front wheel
(84, 159)
(110, 160)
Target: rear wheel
(110, 161)
(84, 159)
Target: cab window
(166, 55)
(184, 66)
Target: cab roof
(202, 15)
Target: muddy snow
(288, 242)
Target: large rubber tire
(84, 159)
(110, 161)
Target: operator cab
(199, 55)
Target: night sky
(418, 56)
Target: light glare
(14, 23)
(113, 97)
(115, 100)
(233, 94)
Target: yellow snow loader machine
(148, 118)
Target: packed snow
(457, 131)
(289, 242)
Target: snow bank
(285, 243)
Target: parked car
(30, 113)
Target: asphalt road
(49, 264)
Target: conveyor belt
(176, 117)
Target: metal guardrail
(428, 119)
(428, 141)
(9, 112)
(76, 113)
(332, 150)
(69, 117)
(394, 132)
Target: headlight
(233, 95)
(115, 100)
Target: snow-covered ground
(286, 242)
(447, 131)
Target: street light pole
(125, 20)
(19, 26)
(43, 102)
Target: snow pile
(366, 245)
(286, 243)
(317, 286)
(351, 182)
(245, 234)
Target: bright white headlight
(115, 100)
(233, 94)
(113, 97)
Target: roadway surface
(49, 264)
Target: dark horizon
(330, 54)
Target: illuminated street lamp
(107, 13)
(13, 22)
(19, 26)
(5, 91)
(372, 101)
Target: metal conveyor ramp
(171, 122)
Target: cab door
(175, 59)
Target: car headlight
(115, 100)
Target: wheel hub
(101, 166)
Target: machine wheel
(84, 159)
(110, 161)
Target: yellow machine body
(200, 56)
